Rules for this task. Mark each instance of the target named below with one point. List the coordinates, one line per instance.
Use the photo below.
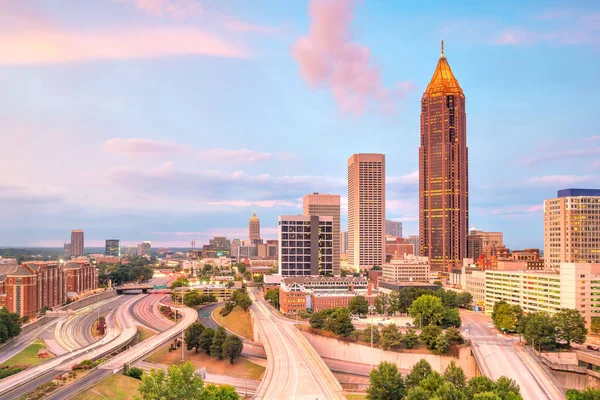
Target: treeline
(10, 325)
(239, 298)
(540, 329)
(272, 296)
(423, 383)
(400, 300)
(194, 299)
(587, 394)
(138, 269)
(214, 342)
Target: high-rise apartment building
(443, 171)
(487, 243)
(144, 248)
(112, 248)
(254, 227)
(416, 242)
(67, 251)
(393, 228)
(344, 242)
(366, 211)
(571, 227)
(326, 205)
(305, 245)
(76, 243)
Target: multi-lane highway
(500, 355)
(294, 369)
(146, 313)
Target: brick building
(80, 277)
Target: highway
(147, 314)
(500, 355)
(294, 369)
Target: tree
(221, 392)
(339, 322)
(216, 348)
(386, 383)
(464, 299)
(418, 372)
(410, 338)
(455, 375)
(370, 332)
(10, 324)
(441, 345)
(505, 386)
(391, 338)
(454, 336)
(358, 305)
(506, 316)
(381, 303)
(272, 296)
(479, 384)
(587, 394)
(570, 326)
(135, 372)
(232, 348)
(538, 329)
(241, 299)
(241, 267)
(426, 310)
(449, 297)
(429, 335)
(179, 282)
(180, 382)
(192, 335)
(206, 339)
(317, 320)
(451, 317)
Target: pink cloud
(136, 148)
(233, 156)
(558, 180)
(329, 57)
(237, 25)
(159, 8)
(55, 46)
(261, 204)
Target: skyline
(136, 133)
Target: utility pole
(182, 353)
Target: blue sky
(173, 120)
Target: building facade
(326, 205)
(366, 211)
(144, 249)
(572, 227)
(407, 268)
(397, 247)
(273, 249)
(443, 171)
(254, 228)
(77, 243)
(344, 242)
(112, 248)
(393, 228)
(416, 242)
(306, 245)
(80, 277)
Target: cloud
(241, 156)
(411, 179)
(231, 233)
(261, 204)
(329, 57)
(237, 25)
(177, 9)
(135, 148)
(561, 155)
(32, 195)
(46, 45)
(558, 180)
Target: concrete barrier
(86, 301)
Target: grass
(28, 356)
(115, 387)
(143, 334)
(238, 321)
(241, 368)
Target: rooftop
(579, 193)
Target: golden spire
(443, 79)
(442, 56)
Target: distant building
(144, 249)
(415, 241)
(67, 251)
(344, 242)
(393, 228)
(571, 226)
(366, 211)
(306, 245)
(406, 268)
(218, 246)
(273, 249)
(474, 244)
(112, 248)
(254, 228)
(397, 246)
(262, 250)
(77, 248)
(326, 205)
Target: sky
(175, 120)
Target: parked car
(408, 324)
(590, 347)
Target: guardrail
(544, 368)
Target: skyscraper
(344, 242)
(416, 242)
(254, 228)
(326, 205)
(144, 248)
(393, 228)
(571, 222)
(76, 243)
(366, 210)
(443, 171)
(112, 248)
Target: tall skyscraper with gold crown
(443, 171)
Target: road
(294, 369)
(23, 341)
(502, 356)
(147, 314)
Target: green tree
(232, 348)
(449, 297)
(426, 310)
(504, 387)
(206, 339)
(272, 296)
(180, 382)
(386, 383)
(370, 332)
(135, 372)
(506, 316)
(587, 394)
(339, 322)
(410, 338)
(241, 299)
(418, 372)
(192, 335)
(391, 337)
(358, 305)
(539, 329)
(429, 335)
(10, 324)
(381, 303)
(441, 345)
(570, 326)
(216, 348)
(179, 282)
(221, 392)
(464, 299)
(418, 393)
(454, 336)
(317, 320)
(455, 375)
(451, 317)
(479, 384)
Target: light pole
(182, 353)
(371, 348)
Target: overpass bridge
(134, 288)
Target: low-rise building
(220, 291)
(406, 268)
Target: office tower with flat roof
(443, 171)
(416, 242)
(366, 211)
(393, 228)
(572, 227)
(112, 247)
(144, 248)
(344, 242)
(76, 243)
(326, 205)
(254, 228)
(305, 245)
